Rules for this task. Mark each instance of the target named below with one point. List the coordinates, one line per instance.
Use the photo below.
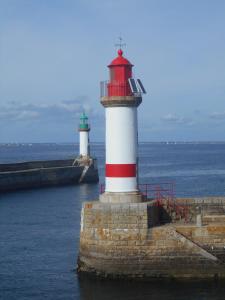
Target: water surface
(39, 229)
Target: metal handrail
(153, 191)
(118, 88)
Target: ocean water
(39, 229)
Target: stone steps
(189, 243)
(206, 219)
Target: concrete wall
(47, 175)
(24, 166)
(124, 240)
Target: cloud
(63, 110)
(170, 118)
(11, 113)
(174, 119)
(217, 116)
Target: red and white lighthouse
(121, 96)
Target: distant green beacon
(84, 129)
(84, 126)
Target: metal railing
(174, 210)
(158, 192)
(115, 89)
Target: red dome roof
(120, 60)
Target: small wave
(156, 173)
(160, 164)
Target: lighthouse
(121, 96)
(84, 160)
(84, 129)
(115, 230)
(120, 235)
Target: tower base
(126, 197)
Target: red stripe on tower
(120, 170)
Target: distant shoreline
(102, 143)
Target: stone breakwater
(148, 240)
(35, 174)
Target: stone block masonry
(126, 240)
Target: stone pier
(145, 240)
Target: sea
(39, 228)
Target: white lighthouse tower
(121, 96)
(84, 129)
(90, 170)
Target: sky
(54, 53)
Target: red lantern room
(120, 71)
